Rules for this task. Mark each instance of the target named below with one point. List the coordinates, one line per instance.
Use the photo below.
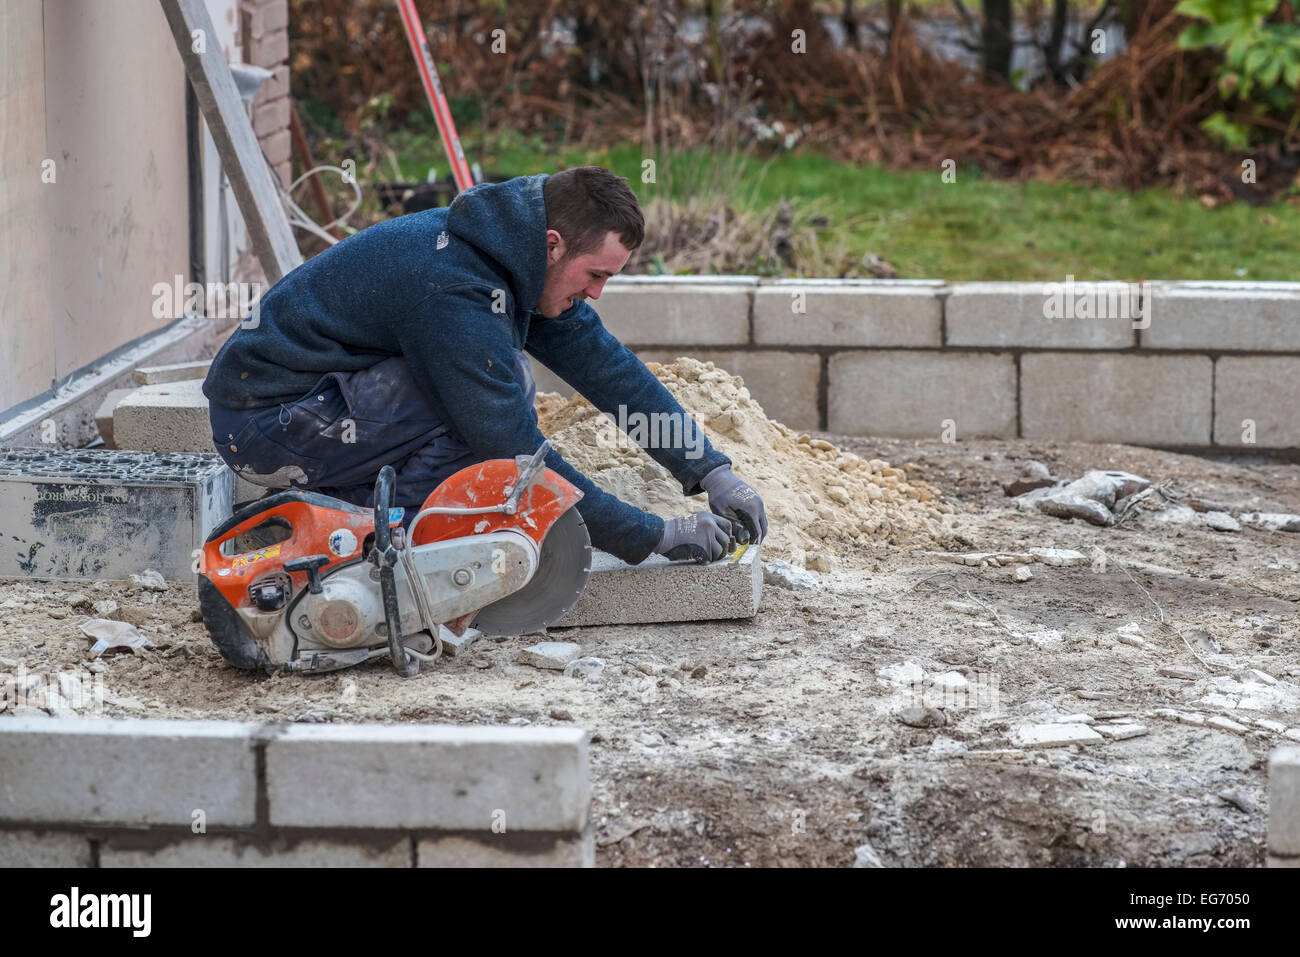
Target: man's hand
(702, 537)
(732, 498)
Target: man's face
(578, 277)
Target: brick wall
(1181, 365)
(82, 792)
(264, 34)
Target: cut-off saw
(302, 582)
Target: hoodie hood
(507, 222)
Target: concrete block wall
(130, 793)
(264, 32)
(1284, 807)
(1168, 364)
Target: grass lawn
(974, 229)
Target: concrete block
(43, 849)
(98, 514)
(168, 417)
(1028, 315)
(504, 850)
(104, 415)
(454, 644)
(133, 772)
(554, 655)
(785, 384)
(1284, 801)
(1256, 317)
(429, 776)
(702, 312)
(659, 590)
(176, 372)
(1255, 398)
(1053, 735)
(203, 850)
(845, 312)
(1145, 400)
(911, 394)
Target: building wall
(99, 89)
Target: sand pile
(819, 501)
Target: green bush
(1261, 67)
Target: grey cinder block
(1284, 801)
(168, 417)
(43, 849)
(100, 514)
(658, 590)
(1262, 389)
(1144, 400)
(1252, 317)
(133, 772)
(848, 312)
(911, 394)
(700, 312)
(204, 850)
(429, 776)
(496, 850)
(1012, 314)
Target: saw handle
(384, 557)
(311, 564)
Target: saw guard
(489, 483)
(311, 519)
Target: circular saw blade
(562, 570)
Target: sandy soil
(775, 741)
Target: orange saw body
(300, 581)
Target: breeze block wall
(84, 792)
(1167, 364)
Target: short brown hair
(586, 202)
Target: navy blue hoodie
(423, 286)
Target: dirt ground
(775, 742)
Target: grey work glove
(732, 498)
(701, 537)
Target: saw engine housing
(303, 582)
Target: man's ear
(554, 246)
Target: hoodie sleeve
(577, 347)
(469, 364)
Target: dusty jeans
(337, 437)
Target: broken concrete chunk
(865, 856)
(1053, 735)
(903, 673)
(919, 717)
(1225, 724)
(1023, 574)
(105, 608)
(1064, 505)
(1045, 639)
(588, 669)
(454, 644)
(150, 580)
(1122, 732)
(782, 574)
(1222, 522)
(553, 655)
(1058, 556)
(1273, 521)
(1172, 515)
